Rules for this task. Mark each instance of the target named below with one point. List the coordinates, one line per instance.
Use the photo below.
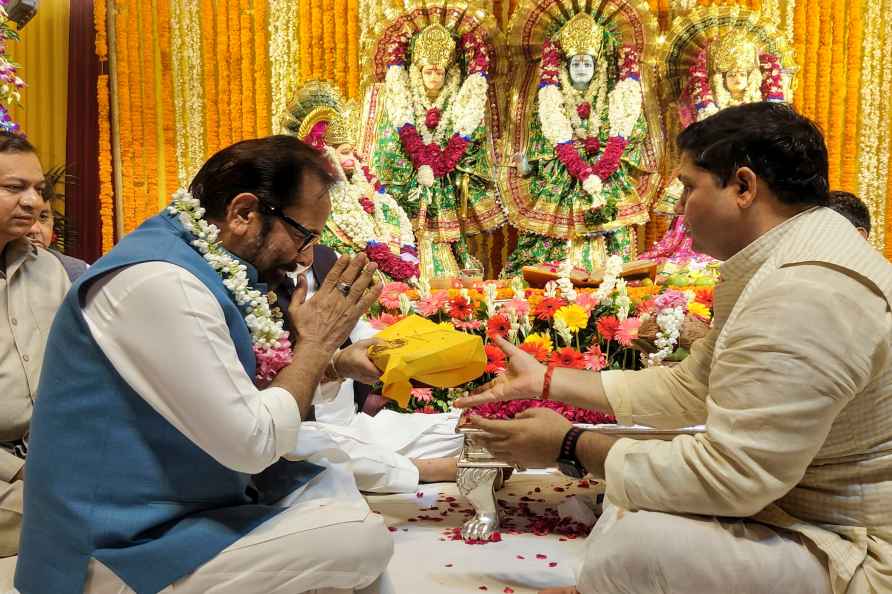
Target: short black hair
(272, 168)
(851, 207)
(785, 149)
(15, 143)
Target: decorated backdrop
(188, 77)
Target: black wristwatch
(568, 462)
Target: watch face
(570, 469)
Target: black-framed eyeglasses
(308, 238)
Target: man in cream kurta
(790, 487)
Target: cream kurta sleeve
(790, 362)
(663, 397)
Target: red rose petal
(553, 564)
(541, 556)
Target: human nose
(30, 198)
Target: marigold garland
(106, 187)
(222, 35)
(317, 17)
(261, 82)
(305, 40)
(849, 150)
(149, 166)
(824, 64)
(233, 61)
(338, 37)
(353, 69)
(166, 103)
(211, 114)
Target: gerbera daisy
(498, 325)
(574, 316)
(568, 357)
(546, 308)
(495, 359)
(607, 327)
(537, 350)
(628, 331)
(460, 308)
(595, 359)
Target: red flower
(432, 118)
(568, 357)
(704, 296)
(498, 325)
(537, 350)
(584, 110)
(495, 359)
(547, 308)
(607, 327)
(591, 145)
(367, 205)
(460, 309)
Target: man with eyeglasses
(156, 464)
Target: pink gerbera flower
(628, 331)
(594, 358)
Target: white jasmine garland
(555, 126)
(573, 98)
(470, 104)
(624, 107)
(612, 269)
(669, 321)
(266, 328)
(421, 104)
(399, 104)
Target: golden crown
(581, 35)
(434, 46)
(736, 51)
(319, 101)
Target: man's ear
(241, 212)
(745, 179)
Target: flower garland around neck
(466, 113)
(624, 109)
(362, 218)
(269, 339)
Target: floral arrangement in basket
(619, 325)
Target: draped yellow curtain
(43, 55)
(196, 75)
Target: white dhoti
(326, 540)
(381, 448)
(658, 553)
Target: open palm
(522, 379)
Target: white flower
(426, 176)
(567, 290)
(551, 288)
(624, 107)
(592, 185)
(562, 330)
(405, 305)
(555, 126)
(470, 104)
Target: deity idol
(364, 217)
(730, 70)
(584, 147)
(430, 143)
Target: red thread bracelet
(546, 385)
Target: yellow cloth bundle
(436, 355)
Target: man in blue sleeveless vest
(149, 426)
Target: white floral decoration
(265, 328)
(624, 107)
(669, 320)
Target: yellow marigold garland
(233, 62)
(166, 105)
(262, 67)
(106, 187)
(317, 17)
(246, 49)
(849, 151)
(305, 40)
(222, 54)
(211, 112)
(327, 67)
(836, 108)
(148, 203)
(353, 71)
(826, 80)
(339, 42)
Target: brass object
(735, 52)
(581, 35)
(434, 46)
(320, 101)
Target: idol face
(736, 81)
(433, 78)
(346, 157)
(582, 70)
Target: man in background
(32, 286)
(852, 208)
